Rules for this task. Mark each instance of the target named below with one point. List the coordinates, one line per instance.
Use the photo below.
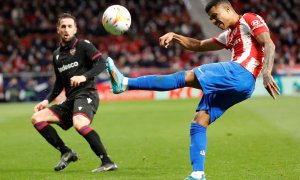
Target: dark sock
(93, 139)
(50, 134)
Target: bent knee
(80, 121)
(36, 117)
(44, 115)
(189, 75)
(202, 117)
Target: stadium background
(28, 38)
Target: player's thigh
(210, 77)
(44, 115)
(224, 78)
(63, 112)
(84, 109)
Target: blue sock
(157, 82)
(198, 146)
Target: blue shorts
(224, 85)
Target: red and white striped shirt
(239, 39)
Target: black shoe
(106, 167)
(65, 160)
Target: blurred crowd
(283, 19)
(28, 31)
(28, 36)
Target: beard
(66, 38)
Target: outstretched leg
(151, 82)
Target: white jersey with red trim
(239, 39)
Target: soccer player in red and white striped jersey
(240, 40)
(223, 84)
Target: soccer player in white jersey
(224, 84)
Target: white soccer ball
(116, 19)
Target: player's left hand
(76, 80)
(271, 85)
(166, 39)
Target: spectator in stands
(28, 32)
(13, 91)
(30, 93)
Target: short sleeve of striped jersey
(221, 39)
(256, 23)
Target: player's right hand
(166, 39)
(271, 85)
(41, 105)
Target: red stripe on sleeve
(96, 56)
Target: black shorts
(84, 104)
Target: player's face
(220, 16)
(66, 29)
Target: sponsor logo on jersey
(256, 24)
(68, 66)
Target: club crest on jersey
(72, 51)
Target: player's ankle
(197, 174)
(125, 83)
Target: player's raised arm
(189, 43)
(265, 40)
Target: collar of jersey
(71, 44)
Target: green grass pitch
(149, 140)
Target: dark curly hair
(213, 3)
